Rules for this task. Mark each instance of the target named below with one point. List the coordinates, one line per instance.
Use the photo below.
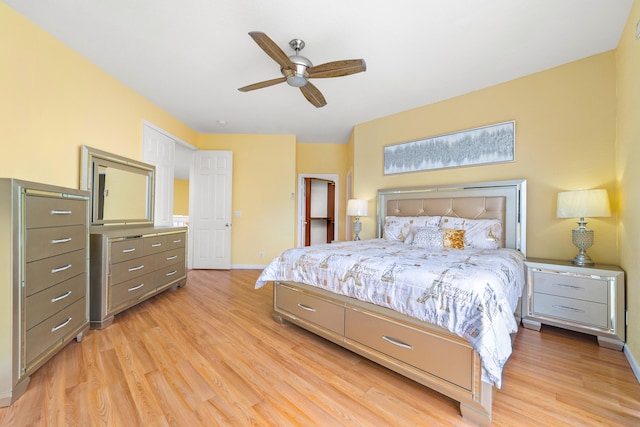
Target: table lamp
(581, 204)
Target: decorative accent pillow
(429, 237)
(479, 233)
(453, 239)
(402, 228)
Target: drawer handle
(398, 343)
(177, 241)
(59, 269)
(135, 288)
(56, 299)
(564, 285)
(61, 325)
(140, 267)
(306, 307)
(172, 273)
(58, 212)
(564, 307)
(156, 245)
(169, 258)
(63, 240)
(128, 251)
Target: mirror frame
(91, 158)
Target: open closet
(319, 211)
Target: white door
(210, 210)
(159, 149)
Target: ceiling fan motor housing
(299, 76)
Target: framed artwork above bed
(472, 147)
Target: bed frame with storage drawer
(418, 350)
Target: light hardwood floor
(210, 354)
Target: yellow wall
(628, 172)
(53, 101)
(565, 134)
(264, 187)
(326, 159)
(181, 197)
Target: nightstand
(584, 299)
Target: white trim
(247, 267)
(632, 361)
(348, 195)
(175, 138)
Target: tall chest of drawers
(130, 265)
(44, 280)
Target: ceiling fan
(297, 70)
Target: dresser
(583, 299)
(44, 277)
(130, 265)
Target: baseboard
(247, 267)
(633, 362)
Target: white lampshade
(357, 207)
(583, 204)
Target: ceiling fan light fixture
(296, 80)
(299, 76)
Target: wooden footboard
(425, 353)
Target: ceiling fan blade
(313, 95)
(260, 85)
(271, 49)
(337, 68)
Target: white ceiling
(190, 56)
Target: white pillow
(403, 228)
(479, 233)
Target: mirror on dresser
(122, 189)
(131, 260)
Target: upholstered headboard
(502, 200)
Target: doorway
(314, 220)
(178, 162)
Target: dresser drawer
(46, 303)
(127, 270)
(584, 288)
(131, 290)
(154, 244)
(123, 250)
(46, 272)
(170, 274)
(46, 242)
(575, 310)
(45, 334)
(412, 346)
(170, 257)
(307, 307)
(54, 212)
(177, 240)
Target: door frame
(301, 203)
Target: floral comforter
(471, 292)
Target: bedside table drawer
(574, 310)
(583, 288)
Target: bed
(412, 299)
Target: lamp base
(583, 260)
(357, 228)
(582, 238)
